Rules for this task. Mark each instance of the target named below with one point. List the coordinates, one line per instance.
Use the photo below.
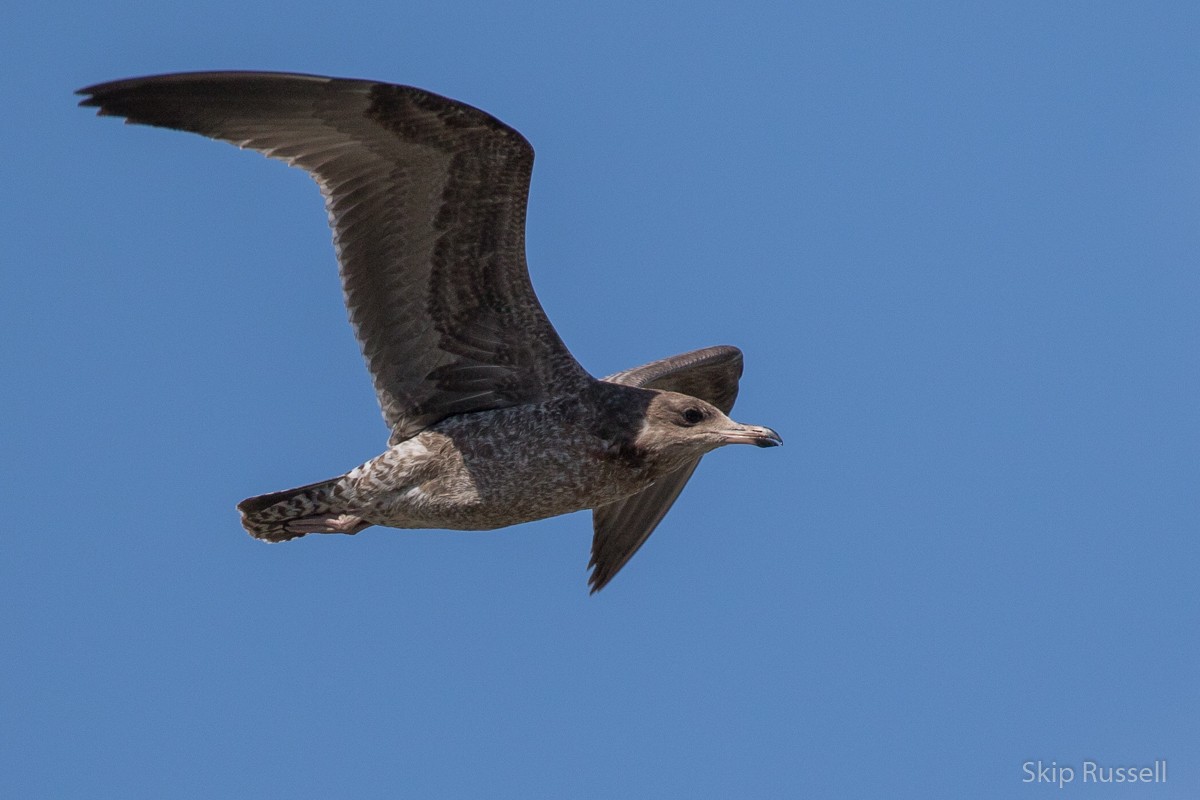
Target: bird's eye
(693, 416)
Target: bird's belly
(520, 496)
(425, 484)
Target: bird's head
(677, 428)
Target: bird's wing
(427, 199)
(620, 528)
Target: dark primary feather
(427, 200)
(620, 528)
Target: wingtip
(91, 92)
(596, 581)
(92, 99)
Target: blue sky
(958, 245)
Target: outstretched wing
(620, 528)
(426, 197)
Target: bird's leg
(325, 523)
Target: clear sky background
(959, 245)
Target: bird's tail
(292, 513)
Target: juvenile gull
(493, 422)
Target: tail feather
(273, 516)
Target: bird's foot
(324, 523)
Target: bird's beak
(751, 434)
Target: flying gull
(493, 422)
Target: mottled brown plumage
(492, 420)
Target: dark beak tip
(758, 435)
(771, 439)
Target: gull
(493, 422)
